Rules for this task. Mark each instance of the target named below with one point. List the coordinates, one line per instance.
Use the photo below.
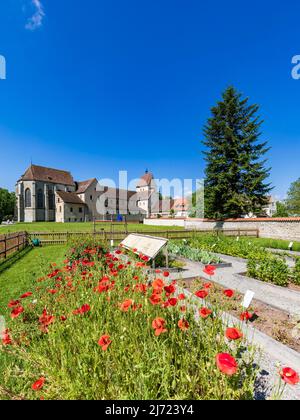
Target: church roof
(118, 193)
(70, 197)
(54, 176)
(146, 179)
(82, 186)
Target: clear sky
(101, 86)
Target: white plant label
(248, 299)
(291, 245)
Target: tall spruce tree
(235, 182)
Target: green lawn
(21, 276)
(80, 227)
(15, 281)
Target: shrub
(96, 330)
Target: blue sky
(101, 86)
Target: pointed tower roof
(146, 179)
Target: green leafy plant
(194, 254)
(296, 272)
(269, 268)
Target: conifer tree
(235, 181)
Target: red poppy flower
(181, 296)
(155, 299)
(172, 302)
(202, 294)
(226, 364)
(158, 284)
(207, 285)
(157, 271)
(6, 338)
(52, 291)
(229, 293)
(166, 274)
(246, 316)
(289, 376)
(46, 319)
(210, 270)
(38, 385)
(118, 251)
(140, 265)
(170, 289)
(13, 303)
(104, 342)
(205, 313)
(26, 295)
(159, 326)
(16, 312)
(183, 308)
(183, 324)
(63, 318)
(126, 305)
(233, 334)
(85, 308)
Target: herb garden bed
(275, 323)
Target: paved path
(230, 277)
(283, 251)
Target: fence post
(5, 246)
(18, 241)
(26, 239)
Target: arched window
(27, 197)
(40, 199)
(51, 200)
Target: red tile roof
(146, 180)
(54, 176)
(82, 186)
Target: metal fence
(12, 242)
(57, 238)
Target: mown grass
(81, 227)
(23, 274)
(20, 277)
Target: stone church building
(52, 195)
